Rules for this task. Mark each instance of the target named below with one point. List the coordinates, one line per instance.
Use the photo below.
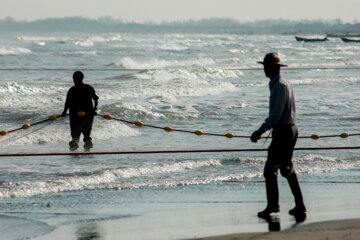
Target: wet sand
(325, 220)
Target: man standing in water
(282, 121)
(79, 101)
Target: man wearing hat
(282, 121)
(79, 100)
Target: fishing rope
(303, 181)
(228, 135)
(167, 151)
(140, 124)
(154, 69)
(170, 129)
(9, 140)
(28, 125)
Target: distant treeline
(213, 25)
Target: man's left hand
(255, 136)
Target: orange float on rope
(315, 136)
(199, 132)
(168, 129)
(229, 135)
(107, 117)
(344, 135)
(139, 123)
(81, 114)
(3, 132)
(53, 118)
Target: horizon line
(160, 22)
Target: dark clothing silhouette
(79, 101)
(80, 98)
(282, 121)
(80, 125)
(279, 158)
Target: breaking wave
(14, 51)
(100, 179)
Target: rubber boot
(296, 191)
(272, 195)
(74, 144)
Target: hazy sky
(169, 10)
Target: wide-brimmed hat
(272, 59)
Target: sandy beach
(340, 229)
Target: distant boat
(350, 39)
(302, 39)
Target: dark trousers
(280, 154)
(80, 125)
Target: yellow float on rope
(199, 132)
(26, 126)
(168, 129)
(344, 135)
(139, 123)
(229, 135)
(52, 117)
(315, 136)
(107, 117)
(3, 132)
(81, 114)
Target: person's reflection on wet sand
(88, 231)
(273, 222)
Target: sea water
(187, 81)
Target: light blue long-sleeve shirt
(282, 105)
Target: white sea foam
(324, 80)
(14, 51)
(90, 53)
(59, 132)
(237, 51)
(132, 110)
(85, 43)
(173, 47)
(40, 43)
(27, 96)
(171, 91)
(111, 38)
(100, 179)
(35, 39)
(154, 63)
(148, 174)
(305, 164)
(316, 164)
(27, 89)
(170, 84)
